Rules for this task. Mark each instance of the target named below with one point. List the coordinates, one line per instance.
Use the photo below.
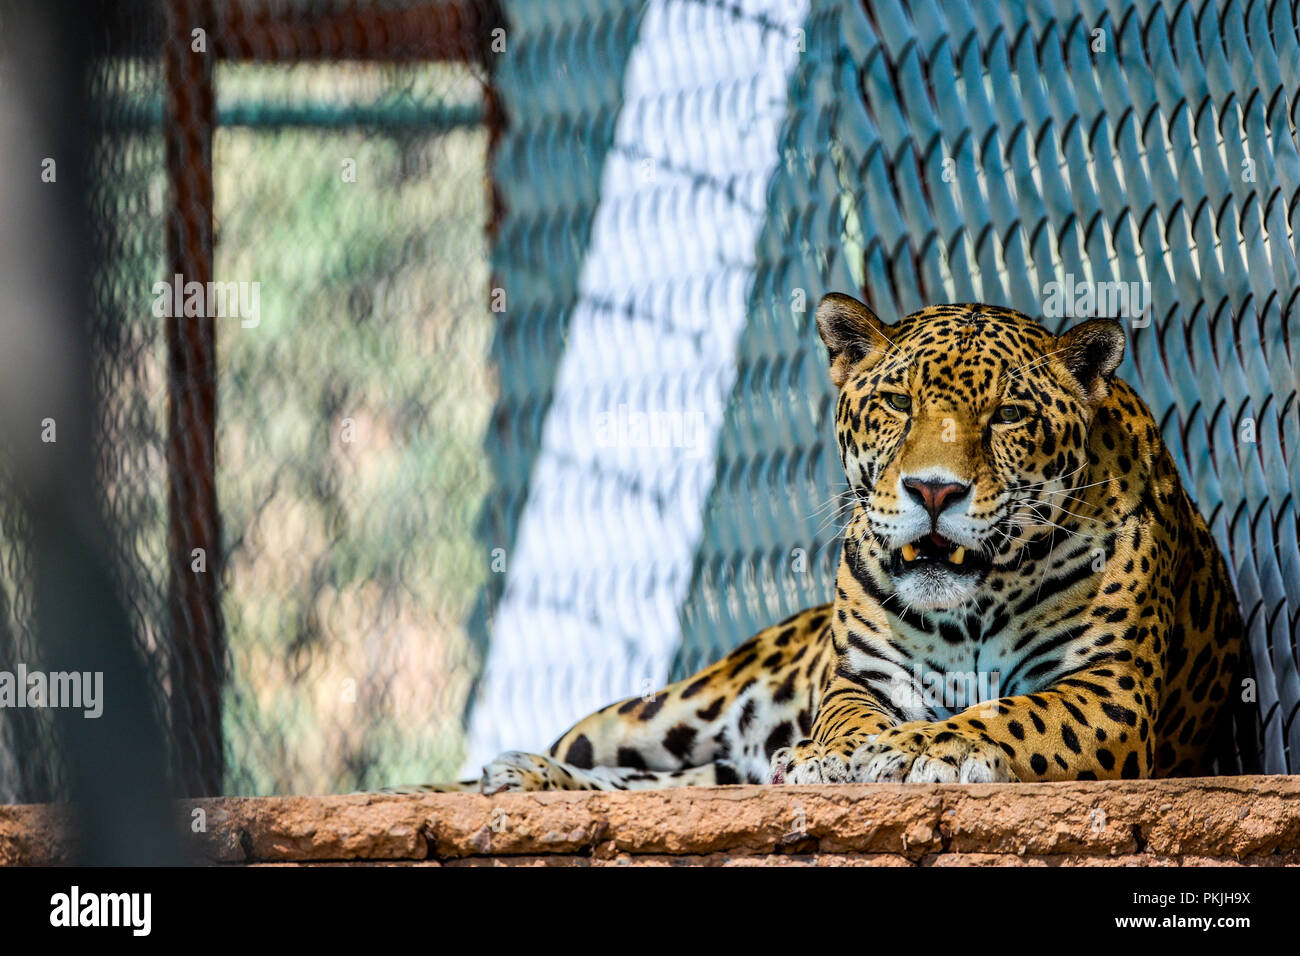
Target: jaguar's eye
(1007, 414)
(898, 401)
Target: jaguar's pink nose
(935, 496)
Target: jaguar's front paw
(921, 752)
(517, 770)
(808, 762)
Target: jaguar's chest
(959, 660)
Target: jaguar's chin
(933, 587)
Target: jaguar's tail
(459, 786)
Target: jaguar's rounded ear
(851, 332)
(1090, 352)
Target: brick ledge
(1251, 820)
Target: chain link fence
(392, 513)
(326, 165)
(352, 417)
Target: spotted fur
(1017, 522)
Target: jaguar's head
(963, 431)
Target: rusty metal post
(198, 646)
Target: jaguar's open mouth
(934, 551)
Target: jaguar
(1026, 591)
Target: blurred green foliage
(350, 433)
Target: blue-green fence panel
(1009, 153)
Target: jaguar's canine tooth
(909, 552)
(958, 555)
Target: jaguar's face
(963, 431)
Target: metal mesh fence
(127, 205)
(1016, 153)
(130, 196)
(926, 152)
(352, 417)
(326, 165)
(634, 174)
(523, 411)
(352, 189)
(28, 732)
